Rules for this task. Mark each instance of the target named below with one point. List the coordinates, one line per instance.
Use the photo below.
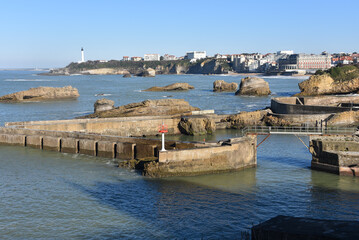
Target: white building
(126, 58)
(288, 52)
(196, 55)
(136, 59)
(168, 57)
(82, 56)
(151, 57)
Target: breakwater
(87, 136)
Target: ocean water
(51, 195)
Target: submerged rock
(253, 86)
(42, 94)
(197, 126)
(171, 87)
(222, 86)
(103, 105)
(147, 108)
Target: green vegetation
(341, 73)
(125, 64)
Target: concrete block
(69, 145)
(145, 150)
(34, 141)
(125, 151)
(106, 149)
(87, 147)
(51, 143)
(9, 139)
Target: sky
(51, 33)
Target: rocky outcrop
(243, 119)
(147, 108)
(253, 86)
(42, 94)
(103, 105)
(126, 75)
(197, 126)
(350, 118)
(222, 86)
(149, 72)
(325, 84)
(271, 120)
(171, 87)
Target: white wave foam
(103, 94)
(137, 90)
(28, 80)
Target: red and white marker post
(163, 130)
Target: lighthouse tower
(82, 55)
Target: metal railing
(298, 130)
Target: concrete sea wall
(86, 136)
(335, 155)
(310, 105)
(231, 156)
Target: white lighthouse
(82, 55)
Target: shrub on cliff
(341, 73)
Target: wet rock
(222, 86)
(42, 94)
(149, 72)
(253, 86)
(147, 108)
(197, 126)
(103, 105)
(126, 75)
(171, 87)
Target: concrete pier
(339, 155)
(182, 158)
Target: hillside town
(282, 62)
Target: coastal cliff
(337, 80)
(114, 67)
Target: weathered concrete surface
(222, 86)
(9, 139)
(87, 147)
(41, 93)
(295, 228)
(145, 151)
(171, 87)
(125, 151)
(237, 155)
(51, 143)
(127, 126)
(253, 86)
(106, 149)
(69, 145)
(34, 141)
(335, 155)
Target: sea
(52, 195)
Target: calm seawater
(51, 195)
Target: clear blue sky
(51, 33)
